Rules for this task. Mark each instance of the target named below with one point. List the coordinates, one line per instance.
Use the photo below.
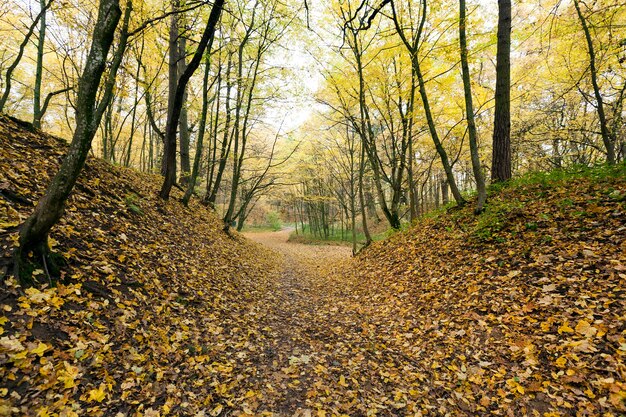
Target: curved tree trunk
(37, 113)
(607, 138)
(174, 115)
(34, 231)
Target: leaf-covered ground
(518, 312)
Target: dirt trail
(299, 319)
(324, 354)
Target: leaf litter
(515, 313)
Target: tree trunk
(501, 158)
(203, 117)
(174, 114)
(172, 82)
(183, 124)
(413, 48)
(37, 114)
(469, 111)
(34, 231)
(20, 54)
(226, 139)
(366, 230)
(607, 137)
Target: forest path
(326, 348)
(302, 323)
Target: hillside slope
(519, 311)
(151, 294)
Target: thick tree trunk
(501, 158)
(34, 231)
(172, 82)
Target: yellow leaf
(18, 356)
(565, 329)
(39, 350)
(342, 381)
(68, 375)
(43, 412)
(52, 243)
(4, 225)
(97, 394)
(585, 329)
(217, 410)
(560, 362)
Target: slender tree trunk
(607, 138)
(203, 117)
(183, 124)
(413, 48)
(501, 158)
(134, 114)
(9, 74)
(226, 139)
(479, 177)
(37, 114)
(366, 230)
(212, 152)
(34, 231)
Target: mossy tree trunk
(34, 232)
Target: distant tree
(8, 77)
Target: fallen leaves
(145, 302)
(161, 314)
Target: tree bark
(201, 128)
(469, 111)
(607, 138)
(501, 158)
(183, 124)
(37, 114)
(174, 114)
(34, 231)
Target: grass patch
(548, 179)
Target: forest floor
(520, 311)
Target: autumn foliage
(519, 311)
(516, 312)
(150, 294)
